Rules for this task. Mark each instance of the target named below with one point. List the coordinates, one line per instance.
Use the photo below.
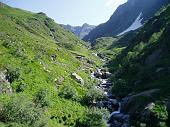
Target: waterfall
(116, 112)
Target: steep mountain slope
(142, 73)
(128, 16)
(80, 31)
(37, 59)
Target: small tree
(20, 109)
(93, 95)
(94, 118)
(68, 92)
(12, 74)
(42, 98)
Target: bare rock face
(5, 86)
(77, 78)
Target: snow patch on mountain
(135, 25)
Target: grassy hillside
(37, 58)
(145, 65)
(109, 47)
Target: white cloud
(114, 3)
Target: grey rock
(159, 69)
(121, 117)
(78, 78)
(119, 120)
(80, 57)
(125, 125)
(60, 80)
(150, 106)
(53, 57)
(5, 86)
(115, 123)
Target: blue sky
(74, 12)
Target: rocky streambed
(117, 117)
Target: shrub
(68, 92)
(2, 125)
(21, 87)
(16, 125)
(21, 110)
(92, 95)
(120, 88)
(12, 74)
(157, 116)
(93, 118)
(42, 98)
(160, 112)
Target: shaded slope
(142, 67)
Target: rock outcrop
(78, 78)
(5, 86)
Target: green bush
(16, 125)
(93, 118)
(93, 95)
(68, 92)
(2, 125)
(21, 110)
(160, 112)
(42, 98)
(156, 117)
(120, 88)
(12, 74)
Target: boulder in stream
(119, 120)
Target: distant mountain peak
(80, 31)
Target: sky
(73, 12)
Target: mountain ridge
(80, 31)
(124, 16)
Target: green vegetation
(68, 92)
(108, 47)
(94, 118)
(20, 109)
(37, 59)
(144, 65)
(93, 95)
